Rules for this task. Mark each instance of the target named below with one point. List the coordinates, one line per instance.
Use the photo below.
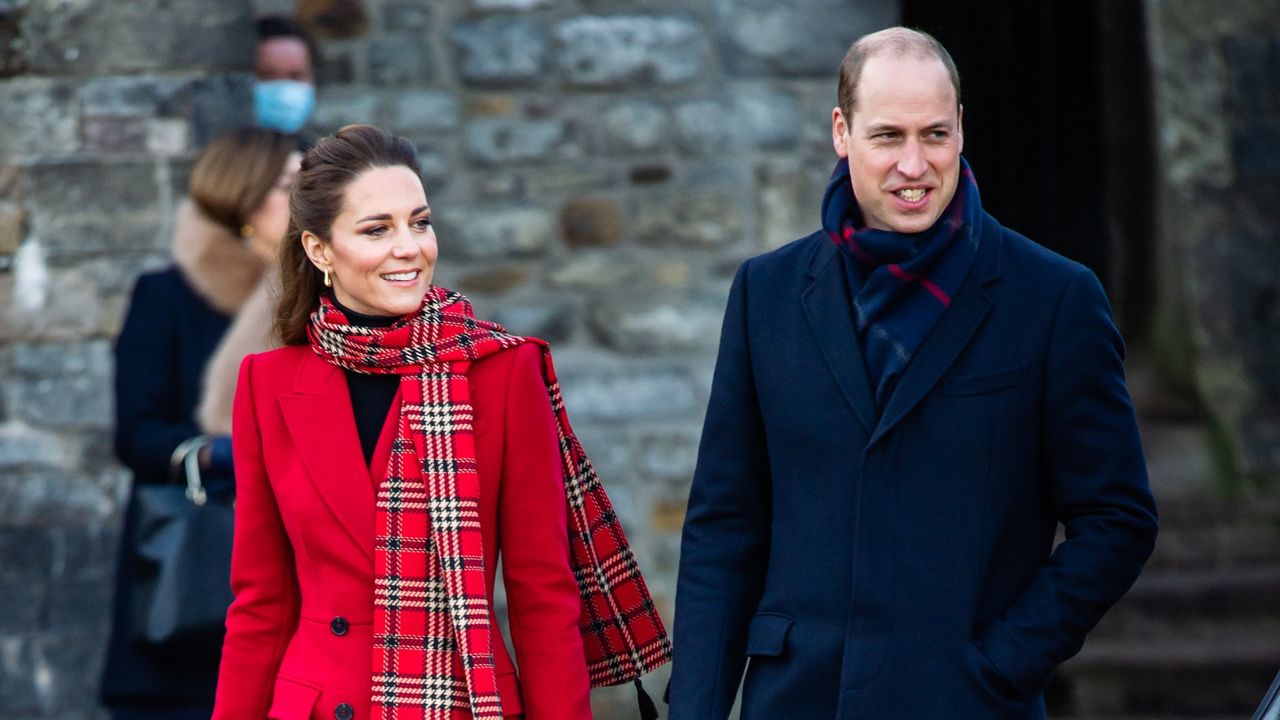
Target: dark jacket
(902, 565)
(168, 336)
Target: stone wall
(1217, 98)
(598, 169)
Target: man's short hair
(896, 41)
(277, 26)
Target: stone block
(501, 51)
(497, 281)
(626, 393)
(488, 233)
(596, 270)
(799, 38)
(635, 126)
(764, 119)
(551, 319)
(658, 328)
(105, 135)
(13, 226)
(406, 16)
(692, 217)
(591, 222)
(788, 199)
(400, 60)
(12, 61)
(220, 104)
(670, 456)
(167, 137)
(343, 106)
(630, 50)
(39, 117)
(498, 141)
(93, 206)
(510, 4)
(63, 385)
(83, 37)
(424, 111)
(135, 95)
(25, 447)
(1256, 152)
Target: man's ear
(839, 133)
(960, 125)
(317, 250)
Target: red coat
(299, 634)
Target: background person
(284, 94)
(224, 237)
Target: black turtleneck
(371, 395)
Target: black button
(339, 626)
(344, 712)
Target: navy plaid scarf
(900, 284)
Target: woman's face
(382, 251)
(270, 221)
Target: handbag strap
(187, 455)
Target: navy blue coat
(168, 336)
(903, 565)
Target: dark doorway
(1058, 128)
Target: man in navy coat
(905, 407)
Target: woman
(224, 237)
(385, 458)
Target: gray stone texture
(496, 141)
(397, 61)
(637, 50)
(1219, 113)
(502, 51)
(497, 233)
(798, 38)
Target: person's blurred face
(382, 250)
(283, 58)
(903, 142)
(270, 221)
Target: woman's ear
(317, 250)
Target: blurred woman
(225, 237)
(385, 458)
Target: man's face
(903, 142)
(283, 58)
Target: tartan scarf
(900, 283)
(433, 644)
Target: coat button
(338, 626)
(344, 712)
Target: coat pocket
(767, 635)
(294, 699)
(984, 383)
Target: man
(905, 406)
(285, 93)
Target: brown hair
(234, 173)
(898, 41)
(327, 169)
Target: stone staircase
(1198, 636)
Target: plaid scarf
(433, 644)
(900, 284)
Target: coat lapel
(826, 303)
(320, 420)
(952, 332)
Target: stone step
(1157, 678)
(1205, 605)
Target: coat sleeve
(543, 601)
(264, 615)
(1098, 490)
(149, 425)
(726, 532)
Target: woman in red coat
(385, 457)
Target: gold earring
(327, 281)
(246, 230)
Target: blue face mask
(283, 105)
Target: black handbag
(182, 557)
